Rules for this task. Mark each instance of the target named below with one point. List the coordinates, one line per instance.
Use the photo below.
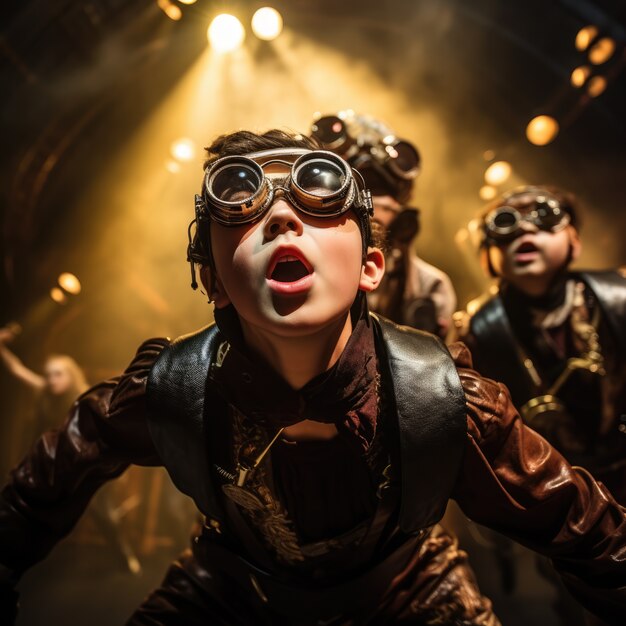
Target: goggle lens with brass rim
(504, 223)
(318, 183)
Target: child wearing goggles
(555, 337)
(412, 292)
(320, 443)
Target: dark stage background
(95, 92)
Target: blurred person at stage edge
(556, 337)
(412, 292)
(62, 381)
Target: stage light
(541, 130)
(183, 149)
(171, 10)
(267, 23)
(69, 283)
(497, 173)
(487, 192)
(585, 36)
(226, 33)
(602, 51)
(596, 86)
(187, 1)
(580, 75)
(57, 295)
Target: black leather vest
(427, 396)
(497, 351)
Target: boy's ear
(373, 269)
(576, 245)
(214, 287)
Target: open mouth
(526, 247)
(289, 269)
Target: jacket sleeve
(47, 492)
(514, 481)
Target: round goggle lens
(405, 157)
(235, 183)
(329, 129)
(548, 216)
(504, 219)
(320, 177)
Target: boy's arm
(48, 491)
(513, 481)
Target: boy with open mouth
(321, 443)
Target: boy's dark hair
(567, 201)
(245, 141)
(240, 143)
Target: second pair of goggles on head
(238, 190)
(504, 223)
(361, 137)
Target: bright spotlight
(267, 23)
(585, 36)
(57, 295)
(580, 75)
(69, 283)
(596, 86)
(497, 173)
(487, 192)
(602, 51)
(187, 1)
(226, 33)
(541, 130)
(183, 149)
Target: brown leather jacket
(511, 480)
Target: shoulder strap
(609, 288)
(496, 351)
(432, 423)
(178, 396)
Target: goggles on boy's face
(240, 189)
(399, 156)
(505, 223)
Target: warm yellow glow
(585, 36)
(602, 51)
(489, 155)
(171, 10)
(541, 130)
(183, 149)
(487, 192)
(497, 173)
(57, 295)
(172, 166)
(596, 86)
(267, 23)
(187, 1)
(226, 33)
(580, 75)
(70, 283)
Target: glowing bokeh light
(487, 192)
(70, 283)
(580, 75)
(226, 33)
(183, 149)
(187, 1)
(267, 23)
(602, 51)
(541, 130)
(489, 155)
(498, 173)
(596, 86)
(56, 293)
(171, 10)
(585, 36)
